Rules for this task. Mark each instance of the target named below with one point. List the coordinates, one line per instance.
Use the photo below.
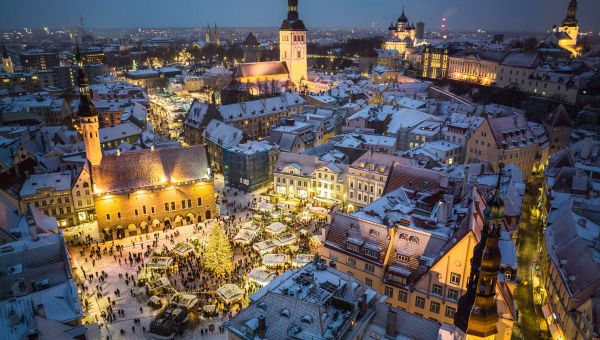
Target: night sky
(492, 15)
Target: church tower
(88, 117)
(7, 64)
(477, 314)
(292, 45)
(571, 27)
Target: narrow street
(529, 236)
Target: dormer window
(371, 253)
(373, 233)
(352, 246)
(402, 258)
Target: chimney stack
(262, 327)
(442, 215)
(390, 325)
(586, 148)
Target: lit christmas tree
(218, 257)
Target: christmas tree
(218, 257)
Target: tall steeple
(571, 19)
(88, 116)
(293, 21)
(477, 314)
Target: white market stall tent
(183, 248)
(182, 300)
(230, 293)
(302, 259)
(261, 276)
(285, 240)
(264, 247)
(159, 262)
(272, 260)
(276, 228)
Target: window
(420, 302)
(369, 282)
(437, 290)
(135, 212)
(402, 296)
(453, 294)
(172, 205)
(450, 311)
(182, 204)
(389, 292)
(189, 203)
(108, 217)
(144, 209)
(369, 268)
(455, 279)
(435, 307)
(351, 261)
(371, 253)
(352, 246)
(119, 215)
(199, 201)
(152, 210)
(166, 206)
(402, 258)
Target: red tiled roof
(267, 68)
(414, 179)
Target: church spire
(86, 106)
(88, 116)
(477, 313)
(293, 21)
(571, 19)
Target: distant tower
(7, 64)
(212, 35)
(420, 34)
(443, 31)
(88, 117)
(292, 45)
(477, 314)
(251, 48)
(571, 27)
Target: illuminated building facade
(435, 63)
(88, 117)
(138, 191)
(39, 61)
(7, 64)
(474, 66)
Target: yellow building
(139, 190)
(421, 266)
(305, 177)
(474, 66)
(508, 140)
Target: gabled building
(415, 247)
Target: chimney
(449, 200)
(582, 222)
(362, 306)
(444, 182)
(390, 325)
(586, 148)
(442, 215)
(262, 327)
(152, 148)
(32, 228)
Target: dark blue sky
(505, 15)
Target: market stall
(264, 247)
(276, 228)
(230, 293)
(261, 276)
(274, 260)
(301, 260)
